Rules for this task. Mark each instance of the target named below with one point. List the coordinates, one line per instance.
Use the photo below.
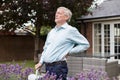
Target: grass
(26, 63)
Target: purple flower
(18, 72)
(10, 72)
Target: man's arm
(81, 43)
(38, 66)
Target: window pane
(97, 39)
(107, 39)
(117, 39)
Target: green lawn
(26, 63)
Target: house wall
(17, 47)
(87, 32)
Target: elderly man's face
(60, 17)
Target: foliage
(14, 72)
(43, 31)
(92, 74)
(13, 13)
(19, 72)
(85, 75)
(24, 63)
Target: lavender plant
(18, 72)
(91, 75)
(14, 72)
(84, 75)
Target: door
(106, 39)
(117, 39)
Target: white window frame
(102, 36)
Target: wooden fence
(17, 47)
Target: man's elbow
(87, 46)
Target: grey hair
(67, 12)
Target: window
(106, 39)
(117, 39)
(97, 39)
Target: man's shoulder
(72, 27)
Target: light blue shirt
(61, 41)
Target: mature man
(61, 41)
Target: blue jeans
(59, 69)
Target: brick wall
(87, 32)
(78, 64)
(89, 37)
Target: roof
(108, 8)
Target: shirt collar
(65, 25)
(62, 26)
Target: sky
(99, 1)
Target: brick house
(102, 29)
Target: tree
(14, 13)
